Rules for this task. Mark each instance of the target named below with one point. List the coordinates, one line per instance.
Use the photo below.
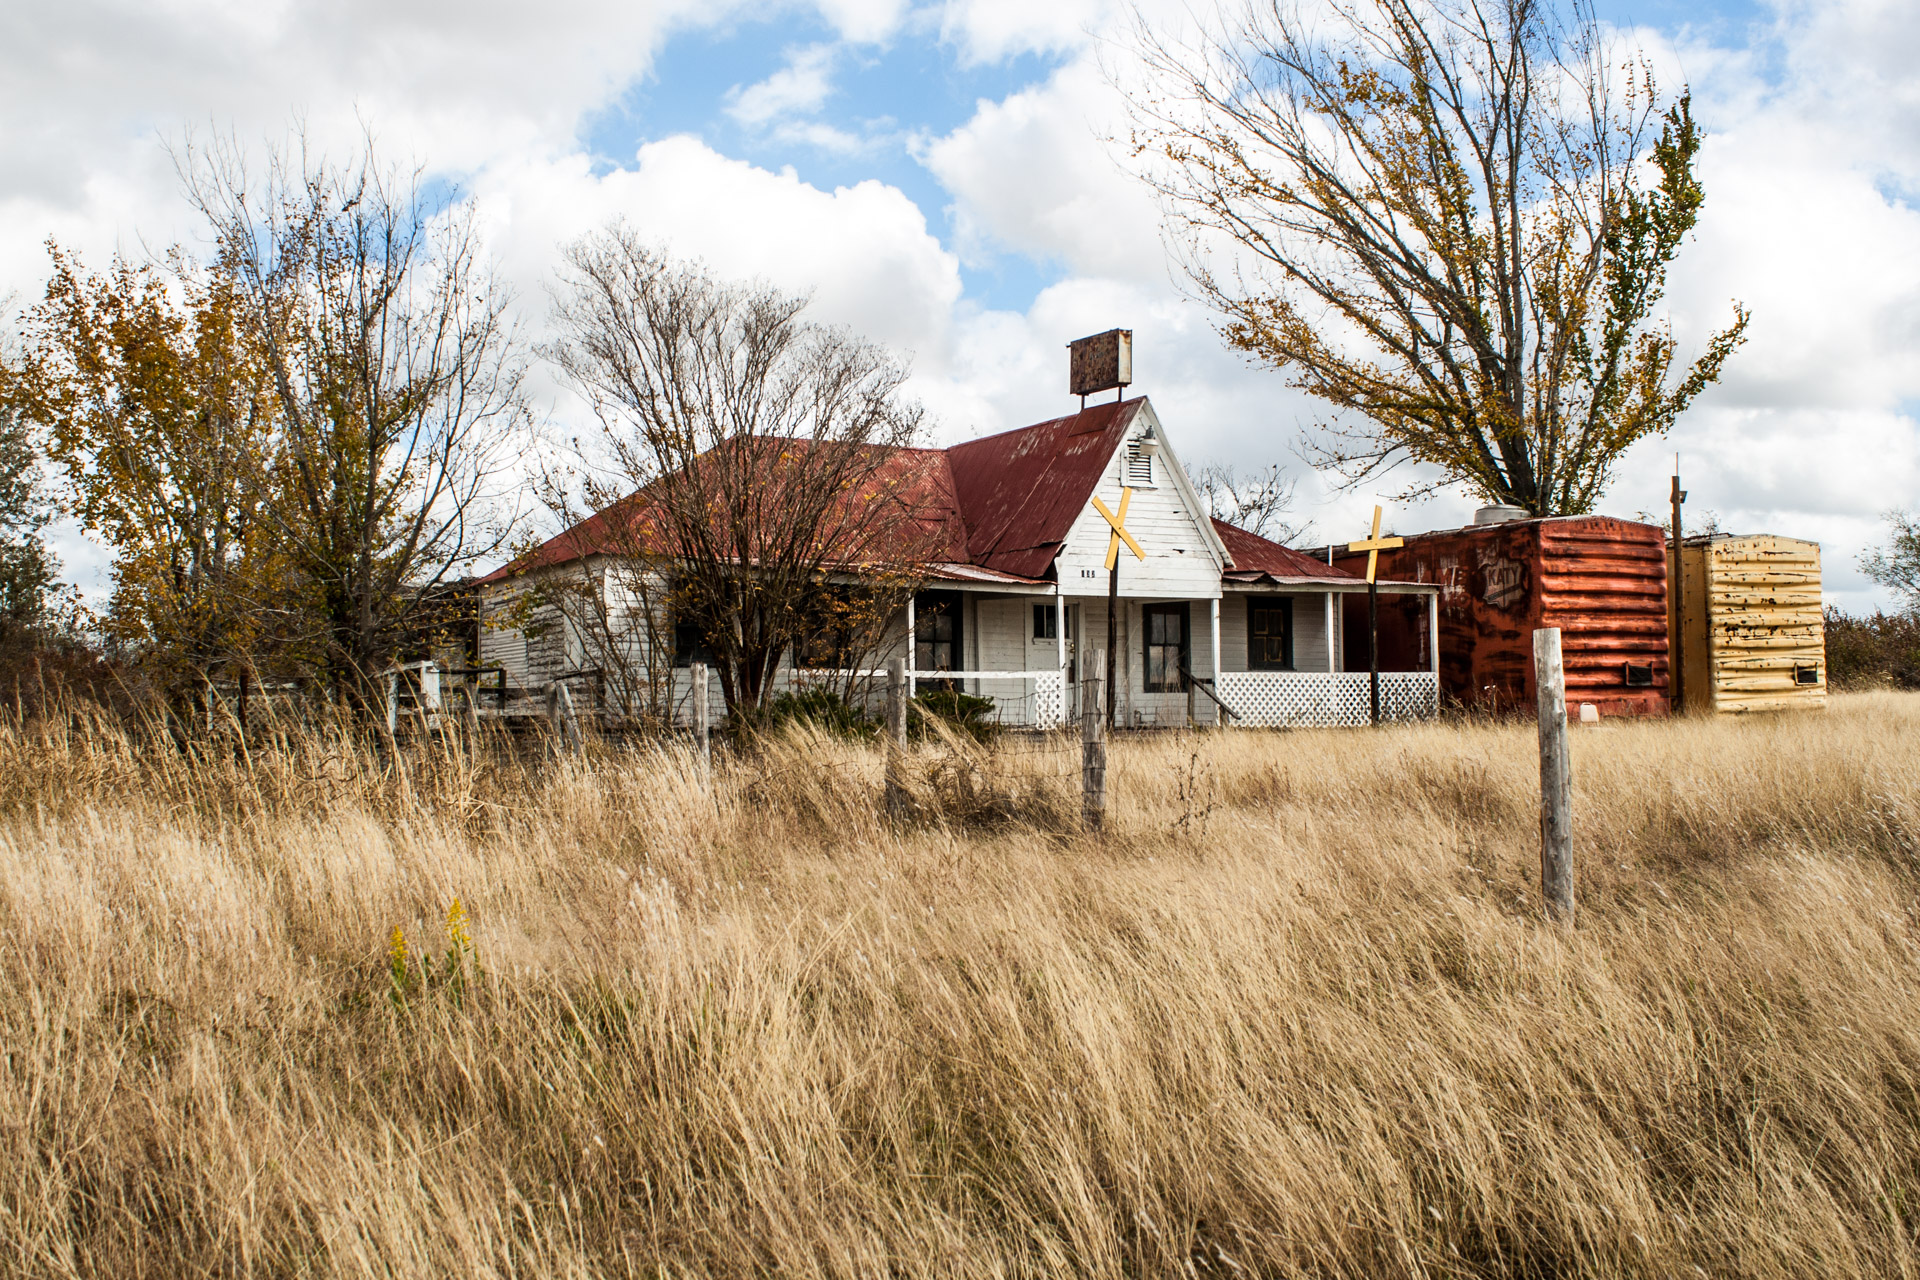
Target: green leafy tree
(1896, 566)
(1450, 220)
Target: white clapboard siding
(1182, 561)
(999, 643)
(502, 645)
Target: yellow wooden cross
(1119, 522)
(1374, 545)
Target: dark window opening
(937, 632)
(1638, 675)
(1806, 675)
(1270, 634)
(825, 648)
(1167, 648)
(690, 644)
(1046, 622)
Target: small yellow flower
(397, 951)
(457, 936)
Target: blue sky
(933, 173)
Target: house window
(825, 649)
(1046, 622)
(936, 631)
(690, 645)
(1270, 634)
(1139, 466)
(1166, 633)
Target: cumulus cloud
(1035, 174)
(1811, 170)
(799, 88)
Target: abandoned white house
(1016, 603)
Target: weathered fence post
(1093, 749)
(1556, 780)
(701, 734)
(896, 797)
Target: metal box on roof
(1602, 581)
(1753, 635)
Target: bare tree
(1451, 220)
(398, 377)
(752, 474)
(1257, 501)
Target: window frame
(1046, 622)
(1284, 605)
(1172, 609)
(931, 604)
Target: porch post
(1433, 632)
(1060, 627)
(911, 646)
(1330, 667)
(1219, 716)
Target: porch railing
(1327, 699)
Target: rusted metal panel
(1100, 363)
(1255, 558)
(1602, 581)
(1756, 635)
(1022, 490)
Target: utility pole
(1113, 640)
(1676, 605)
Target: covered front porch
(1261, 655)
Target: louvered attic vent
(1139, 466)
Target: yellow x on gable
(1119, 522)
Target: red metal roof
(1255, 557)
(1022, 490)
(917, 481)
(996, 509)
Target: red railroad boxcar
(1602, 581)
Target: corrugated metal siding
(1755, 602)
(1603, 582)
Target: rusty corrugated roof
(1020, 491)
(917, 481)
(1255, 558)
(996, 509)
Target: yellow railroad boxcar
(1750, 617)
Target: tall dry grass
(1298, 1014)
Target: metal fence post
(1556, 781)
(1093, 750)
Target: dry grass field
(1299, 1014)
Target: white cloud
(799, 88)
(992, 30)
(864, 21)
(1810, 215)
(1034, 174)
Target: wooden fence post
(1556, 780)
(701, 735)
(896, 745)
(1093, 750)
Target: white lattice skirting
(1326, 699)
(1044, 706)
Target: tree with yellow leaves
(157, 408)
(1451, 220)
